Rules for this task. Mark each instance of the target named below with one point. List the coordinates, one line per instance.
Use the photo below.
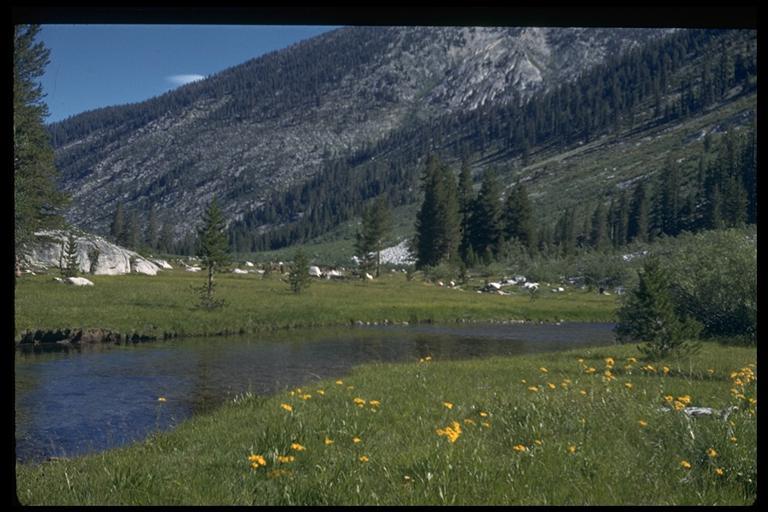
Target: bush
(713, 278)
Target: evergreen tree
(71, 260)
(151, 235)
(117, 228)
(165, 241)
(437, 222)
(36, 199)
(213, 251)
(648, 315)
(669, 200)
(638, 225)
(598, 236)
(371, 239)
(133, 231)
(298, 277)
(518, 217)
(466, 199)
(486, 228)
(565, 231)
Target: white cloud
(178, 80)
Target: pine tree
(298, 277)
(598, 236)
(151, 235)
(669, 200)
(213, 251)
(166, 238)
(117, 228)
(70, 258)
(437, 222)
(371, 239)
(486, 229)
(466, 199)
(639, 215)
(36, 198)
(518, 217)
(648, 315)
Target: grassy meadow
(166, 304)
(585, 427)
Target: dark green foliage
(438, 226)
(486, 224)
(70, 258)
(36, 198)
(373, 234)
(151, 234)
(298, 277)
(648, 315)
(639, 214)
(598, 235)
(117, 228)
(518, 217)
(213, 251)
(466, 200)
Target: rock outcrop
(95, 255)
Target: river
(74, 400)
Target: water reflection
(72, 400)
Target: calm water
(77, 400)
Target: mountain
(273, 124)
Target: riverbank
(138, 307)
(549, 428)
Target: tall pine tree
(486, 228)
(213, 251)
(36, 199)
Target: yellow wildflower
(524, 381)
(533, 389)
(679, 406)
(686, 399)
(286, 407)
(583, 392)
(321, 392)
(665, 369)
(590, 370)
(161, 399)
(710, 371)
(469, 421)
(719, 471)
(551, 386)
(543, 370)
(350, 387)
(328, 441)
(285, 458)
(452, 433)
(572, 449)
(520, 448)
(643, 423)
(256, 461)
(359, 402)
(297, 447)
(306, 396)
(428, 358)
(609, 362)
(483, 414)
(685, 464)
(356, 440)
(363, 458)
(732, 439)
(668, 398)
(631, 360)
(374, 403)
(485, 424)
(580, 360)
(448, 405)
(340, 382)
(538, 442)
(712, 453)
(628, 385)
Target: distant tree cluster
(456, 226)
(722, 195)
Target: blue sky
(94, 66)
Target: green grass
(614, 460)
(165, 303)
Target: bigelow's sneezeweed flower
(297, 447)
(452, 433)
(287, 407)
(257, 461)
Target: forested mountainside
(257, 135)
(577, 145)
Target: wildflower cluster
(741, 380)
(452, 432)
